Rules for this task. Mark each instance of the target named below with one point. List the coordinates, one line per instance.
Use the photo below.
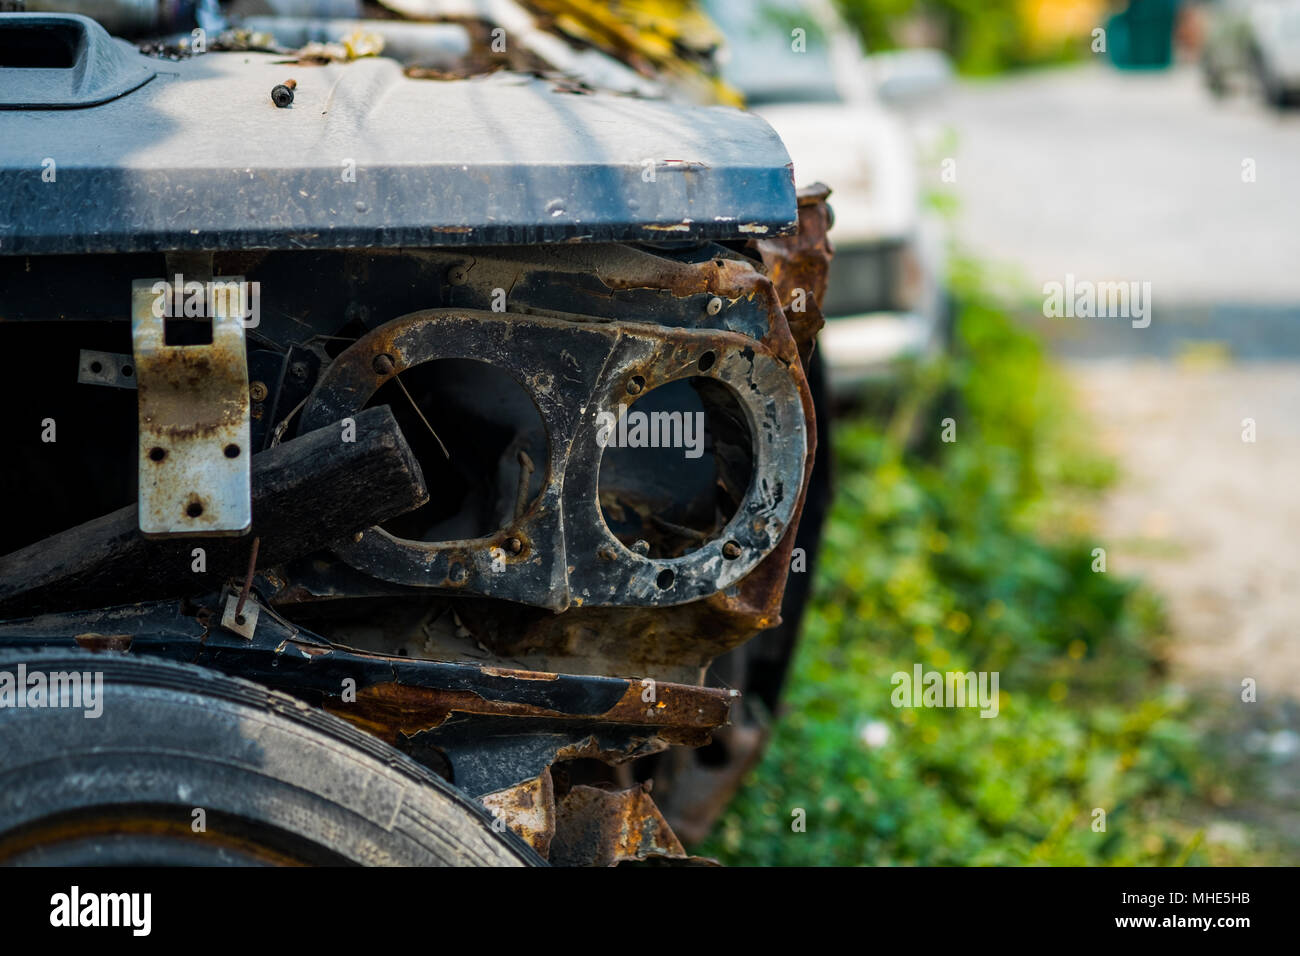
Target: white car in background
(1257, 40)
(836, 110)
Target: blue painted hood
(195, 156)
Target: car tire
(188, 766)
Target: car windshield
(768, 59)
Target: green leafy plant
(982, 36)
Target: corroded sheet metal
(422, 695)
(528, 809)
(596, 827)
(486, 728)
(799, 266)
(569, 556)
(194, 450)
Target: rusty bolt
(641, 546)
(458, 274)
(514, 545)
(383, 364)
(282, 93)
(457, 574)
(714, 306)
(257, 391)
(299, 371)
(731, 550)
(635, 385)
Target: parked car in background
(1254, 43)
(839, 113)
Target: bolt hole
(636, 385)
(187, 331)
(232, 451)
(241, 620)
(665, 579)
(194, 509)
(96, 367)
(157, 454)
(707, 360)
(127, 371)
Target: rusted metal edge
(388, 695)
(596, 827)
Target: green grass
(974, 555)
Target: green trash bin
(1142, 36)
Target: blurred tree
(982, 36)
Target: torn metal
(563, 554)
(486, 728)
(601, 828)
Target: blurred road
(1138, 176)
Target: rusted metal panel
(567, 555)
(421, 698)
(493, 727)
(596, 827)
(528, 809)
(799, 266)
(195, 450)
(591, 295)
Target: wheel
(1275, 94)
(187, 766)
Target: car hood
(197, 157)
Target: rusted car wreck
(304, 470)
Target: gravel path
(1210, 520)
